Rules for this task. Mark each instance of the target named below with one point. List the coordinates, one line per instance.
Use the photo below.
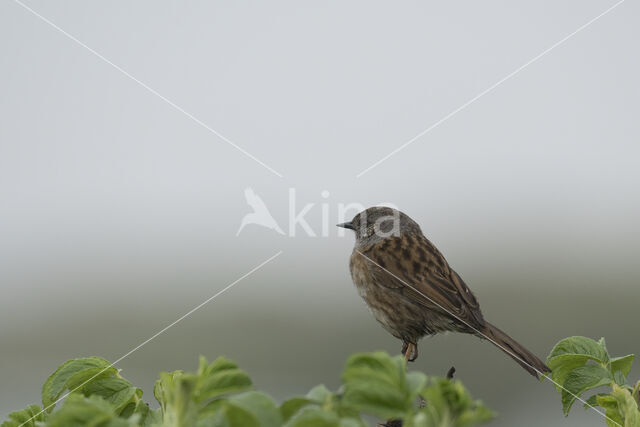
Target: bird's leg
(408, 352)
(414, 354)
(405, 344)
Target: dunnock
(412, 291)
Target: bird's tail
(519, 353)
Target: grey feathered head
(379, 222)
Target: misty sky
(109, 193)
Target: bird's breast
(399, 315)
(388, 307)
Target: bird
(260, 215)
(412, 291)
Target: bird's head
(378, 223)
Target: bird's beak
(346, 225)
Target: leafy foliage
(72, 374)
(26, 417)
(580, 364)
(219, 394)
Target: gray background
(119, 214)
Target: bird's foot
(414, 354)
(409, 351)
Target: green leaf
(313, 416)
(116, 391)
(449, 404)
(164, 388)
(351, 422)
(260, 405)
(235, 416)
(72, 374)
(247, 409)
(593, 400)
(219, 378)
(579, 346)
(189, 399)
(415, 382)
(478, 415)
(152, 418)
(174, 391)
(622, 364)
(610, 406)
(26, 417)
(221, 413)
(627, 407)
(619, 378)
(377, 384)
(561, 366)
(80, 411)
(140, 409)
(571, 353)
(580, 380)
(290, 407)
(320, 394)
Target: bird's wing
(414, 267)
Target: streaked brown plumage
(411, 290)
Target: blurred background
(118, 213)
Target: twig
(450, 372)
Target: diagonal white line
(163, 330)
(152, 90)
(544, 374)
(489, 89)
